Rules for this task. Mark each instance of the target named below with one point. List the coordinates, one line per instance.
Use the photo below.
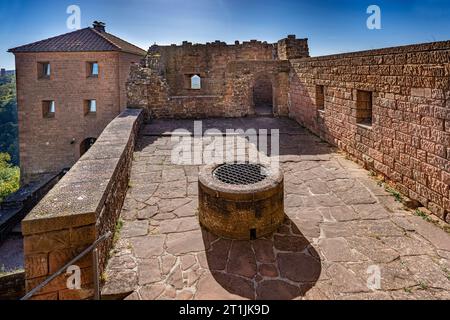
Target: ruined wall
(409, 138)
(162, 83)
(292, 48)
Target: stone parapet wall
(409, 138)
(83, 206)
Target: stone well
(241, 201)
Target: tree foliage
(9, 151)
(8, 118)
(9, 176)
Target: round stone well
(241, 201)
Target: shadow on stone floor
(283, 266)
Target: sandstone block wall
(409, 138)
(48, 145)
(83, 206)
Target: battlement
(292, 48)
(287, 48)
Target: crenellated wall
(409, 138)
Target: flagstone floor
(341, 231)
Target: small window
(92, 69)
(320, 97)
(364, 107)
(196, 82)
(44, 70)
(48, 109)
(90, 107)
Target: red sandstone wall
(409, 141)
(45, 144)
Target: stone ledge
(79, 197)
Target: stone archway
(263, 95)
(86, 144)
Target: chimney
(99, 26)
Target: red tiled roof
(87, 39)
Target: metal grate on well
(240, 173)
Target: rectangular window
(44, 70)
(320, 97)
(364, 107)
(90, 107)
(48, 109)
(93, 69)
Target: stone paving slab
(340, 228)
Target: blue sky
(332, 26)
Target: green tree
(9, 176)
(8, 118)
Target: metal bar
(71, 262)
(96, 275)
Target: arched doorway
(86, 144)
(263, 95)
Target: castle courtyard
(230, 170)
(341, 230)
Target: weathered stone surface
(188, 210)
(147, 212)
(276, 290)
(167, 263)
(180, 243)
(427, 272)
(209, 288)
(242, 260)
(217, 256)
(264, 251)
(136, 228)
(374, 249)
(268, 270)
(148, 246)
(371, 211)
(149, 271)
(439, 238)
(175, 279)
(345, 281)
(290, 243)
(120, 282)
(337, 250)
(169, 205)
(179, 225)
(298, 267)
(151, 292)
(345, 213)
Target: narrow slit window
(320, 97)
(196, 82)
(48, 109)
(364, 101)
